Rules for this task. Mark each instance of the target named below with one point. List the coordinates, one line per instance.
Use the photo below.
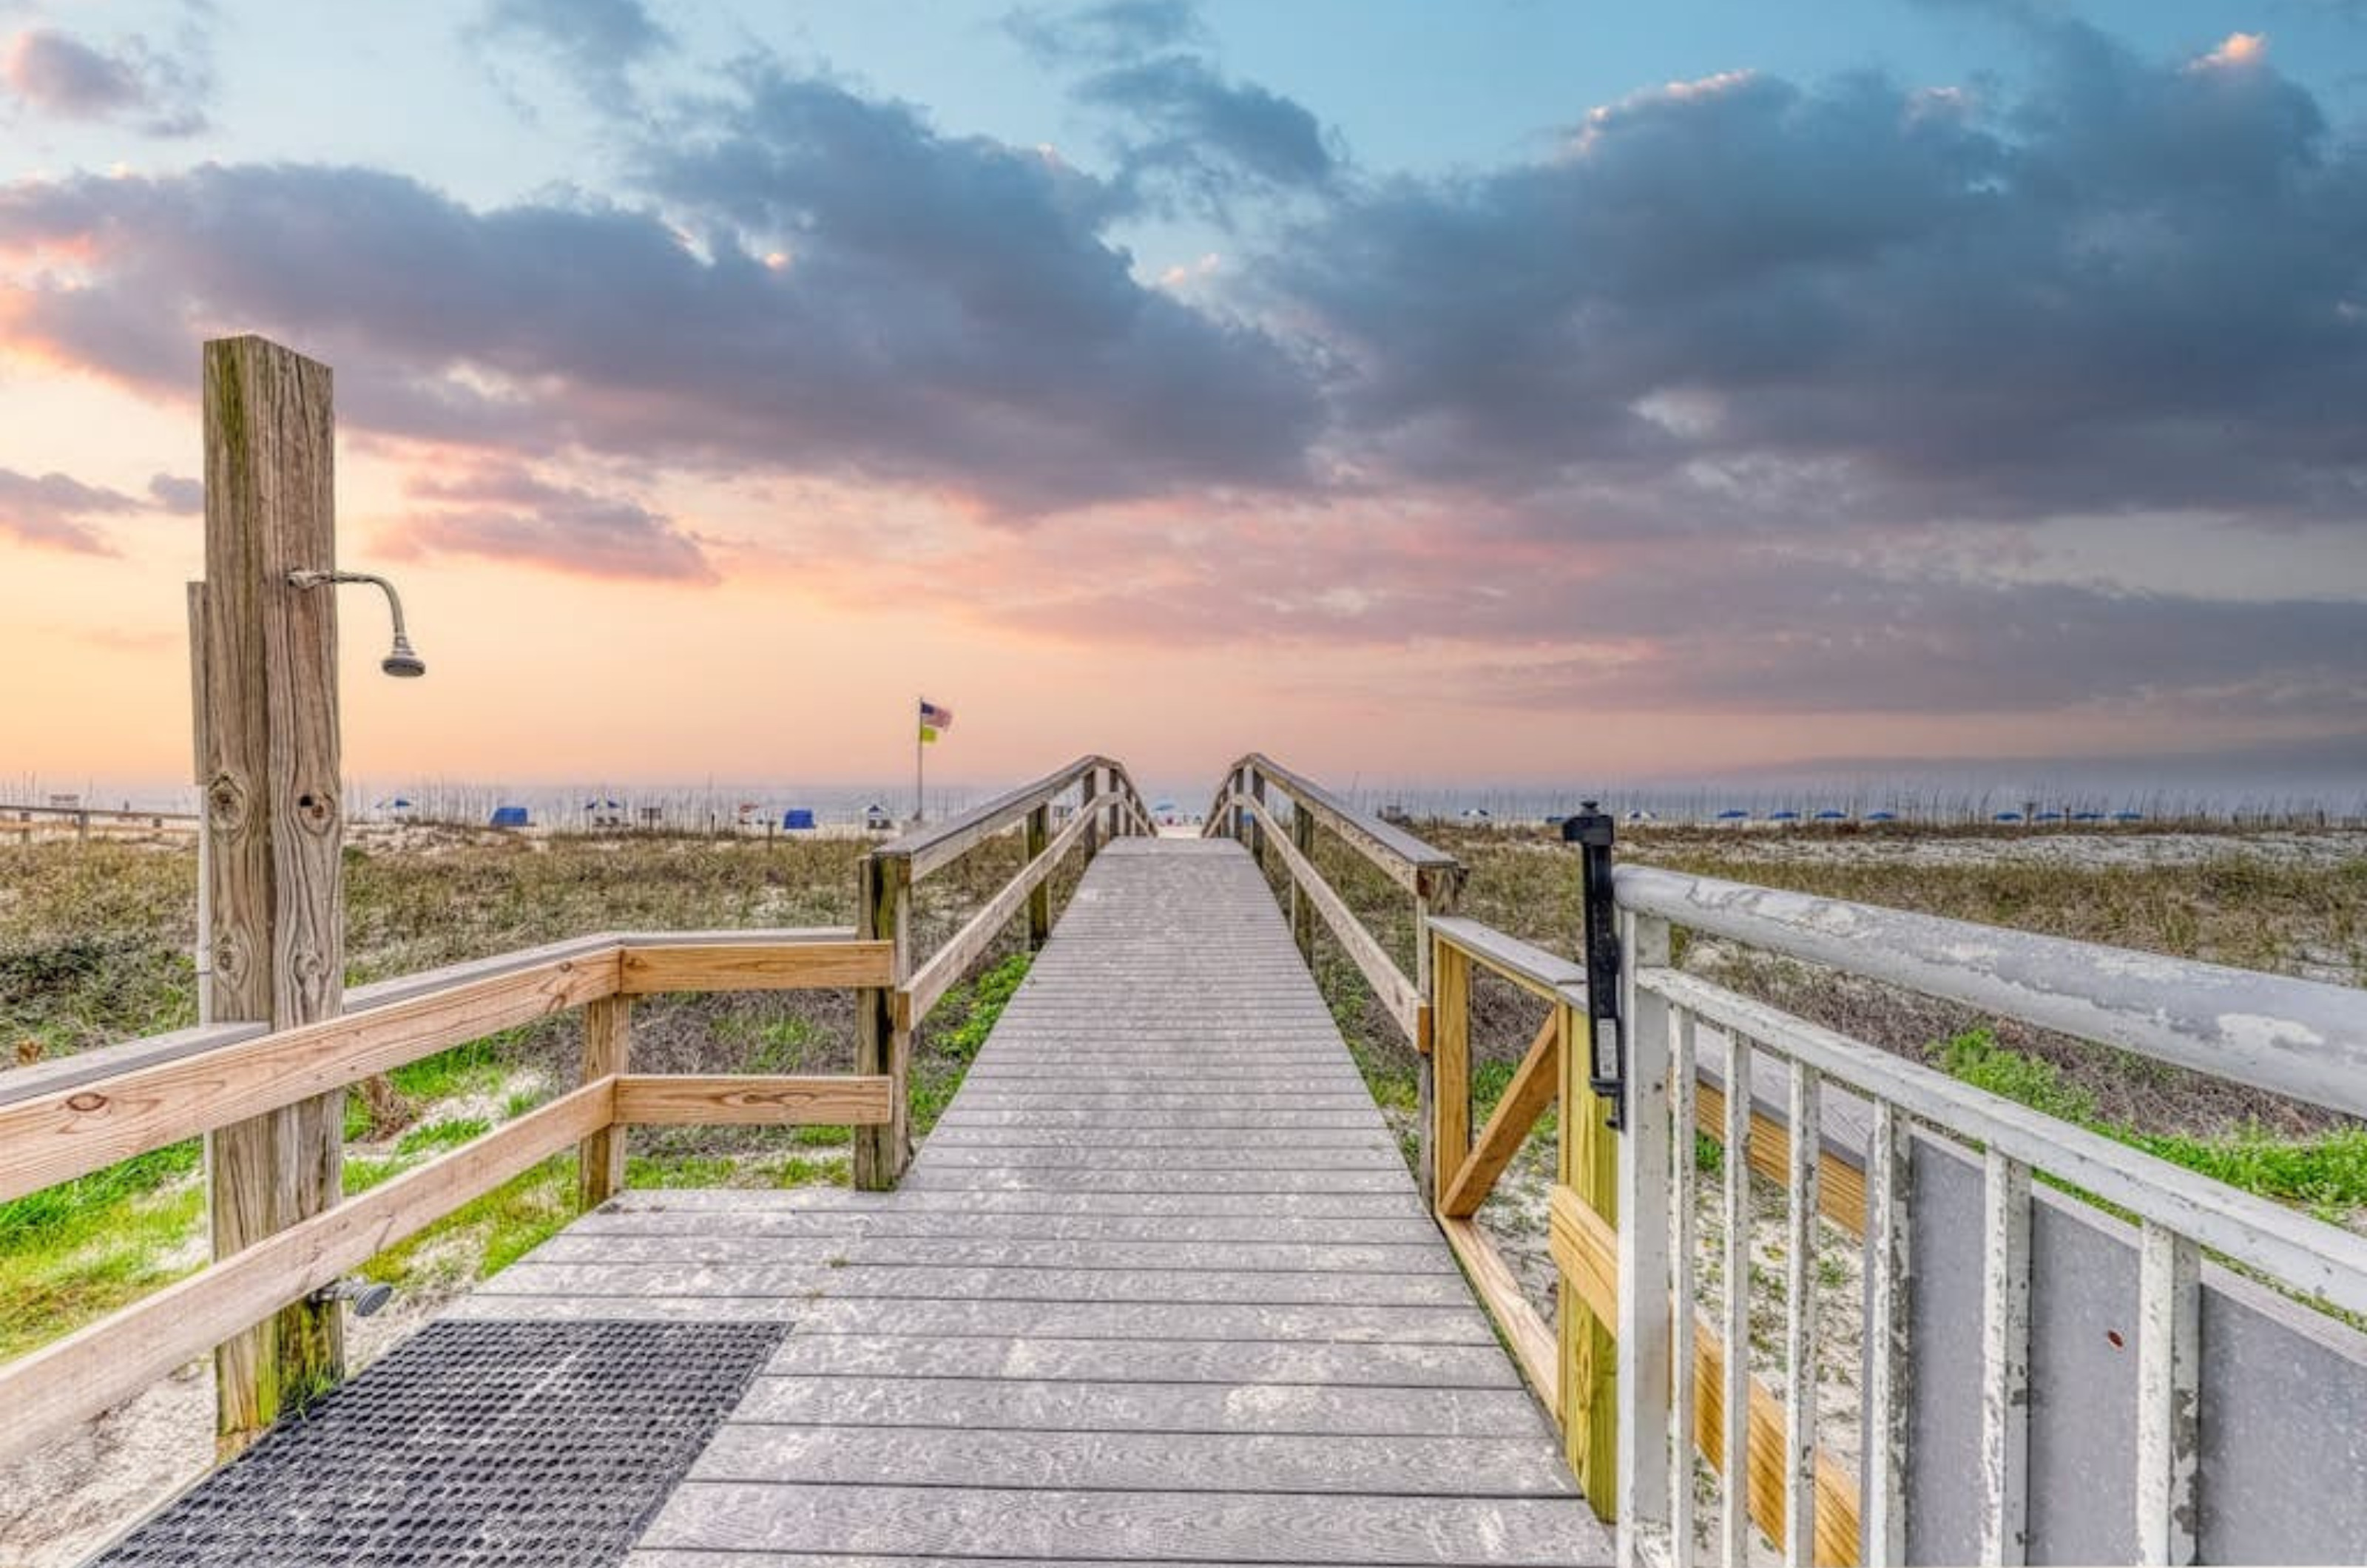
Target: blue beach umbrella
(2007, 817)
(1830, 814)
(1733, 814)
(2128, 816)
(1882, 816)
(2087, 816)
(1782, 817)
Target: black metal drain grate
(477, 1445)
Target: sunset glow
(1171, 379)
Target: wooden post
(1443, 1077)
(1039, 901)
(1089, 790)
(1590, 1352)
(1302, 908)
(1257, 825)
(274, 871)
(607, 1051)
(881, 1048)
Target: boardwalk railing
(1936, 1177)
(1107, 805)
(65, 1119)
(1913, 1192)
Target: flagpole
(919, 750)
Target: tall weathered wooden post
(273, 878)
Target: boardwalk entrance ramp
(1157, 1289)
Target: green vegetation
(71, 1252)
(952, 1033)
(2326, 1173)
(487, 1235)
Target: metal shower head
(402, 660)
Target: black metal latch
(1590, 829)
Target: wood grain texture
(754, 966)
(125, 1352)
(1536, 1083)
(678, 1100)
(883, 1048)
(274, 829)
(607, 1049)
(70, 1131)
(1533, 1343)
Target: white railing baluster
(2169, 1293)
(1890, 1273)
(1735, 1469)
(2005, 1359)
(1645, 1309)
(1683, 1066)
(1800, 1322)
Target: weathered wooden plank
(755, 964)
(1377, 1364)
(1146, 1525)
(607, 1047)
(1326, 1323)
(1006, 1179)
(1396, 852)
(1104, 1461)
(1273, 1287)
(126, 1351)
(916, 1225)
(1268, 1156)
(749, 1100)
(1023, 1405)
(272, 846)
(56, 1137)
(578, 1244)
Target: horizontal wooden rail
(728, 966)
(110, 1360)
(1586, 1250)
(58, 1125)
(69, 1132)
(2303, 1038)
(928, 850)
(728, 1099)
(1419, 868)
(1546, 976)
(935, 979)
(1398, 994)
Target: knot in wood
(316, 810)
(88, 1101)
(229, 957)
(226, 801)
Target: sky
(1500, 391)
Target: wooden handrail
(1419, 868)
(1398, 994)
(926, 850)
(933, 979)
(60, 1126)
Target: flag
(934, 720)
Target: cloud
(595, 41)
(1116, 30)
(2137, 286)
(181, 497)
(505, 512)
(849, 294)
(1209, 133)
(51, 511)
(58, 74)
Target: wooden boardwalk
(1157, 1289)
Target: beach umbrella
(1882, 816)
(2007, 817)
(2048, 816)
(2087, 816)
(1733, 814)
(2128, 816)
(1782, 817)
(1830, 814)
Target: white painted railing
(2295, 1037)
